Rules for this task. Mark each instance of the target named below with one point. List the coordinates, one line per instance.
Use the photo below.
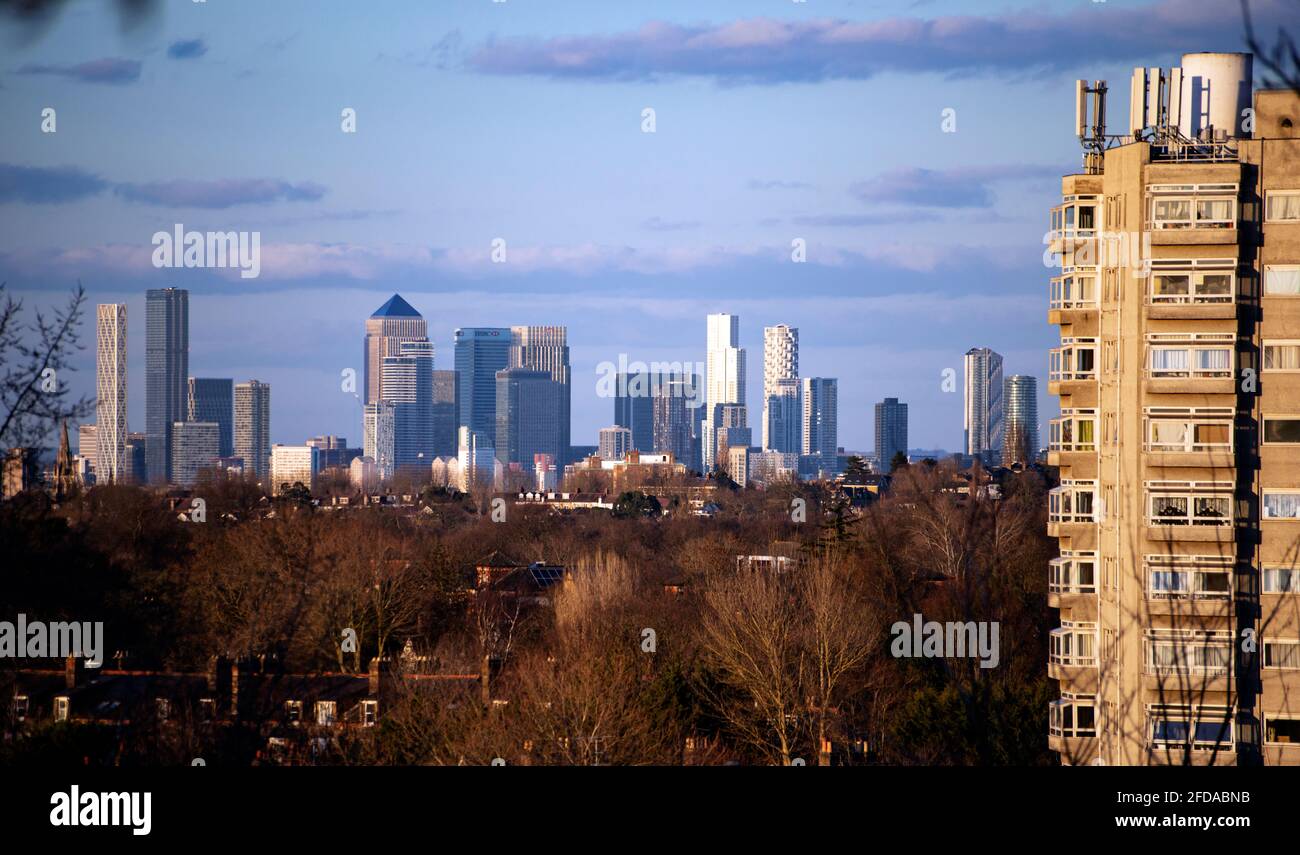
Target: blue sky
(522, 120)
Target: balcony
(1198, 511)
(1072, 655)
(1182, 661)
(1072, 728)
(1072, 297)
(1192, 437)
(1194, 289)
(1072, 367)
(1190, 363)
(1191, 734)
(1071, 439)
(1072, 583)
(1197, 586)
(1071, 509)
(1192, 214)
(1072, 222)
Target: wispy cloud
(187, 49)
(47, 185)
(658, 224)
(223, 193)
(765, 51)
(970, 187)
(109, 70)
(776, 184)
(858, 220)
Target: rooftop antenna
(1090, 121)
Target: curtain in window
(1215, 360)
(1213, 210)
(1169, 434)
(1283, 281)
(1280, 580)
(1283, 206)
(1282, 506)
(1084, 429)
(1283, 655)
(1281, 357)
(1166, 360)
(1172, 211)
(1168, 581)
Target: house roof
(497, 558)
(396, 307)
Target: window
(1282, 430)
(1283, 655)
(1173, 651)
(1281, 505)
(1075, 218)
(1282, 356)
(1075, 359)
(1188, 578)
(207, 709)
(1193, 206)
(1282, 730)
(1074, 290)
(1193, 507)
(1073, 644)
(1190, 361)
(1073, 573)
(369, 713)
(1198, 727)
(1073, 716)
(1072, 502)
(163, 708)
(61, 705)
(1191, 287)
(1282, 206)
(1281, 580)
(293, 711)
(325, 712)
(1075, 430)
(1282, 280)
(1187, 434)
(20, 707)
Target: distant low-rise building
(292, 464)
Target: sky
(913, 149)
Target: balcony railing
(1192, 206)
(1073, 645)
(1075, 430)
(1189, 652)
(1073, 573)
(1072, 502)
(1076, 359)
(1197, 281)
(1072, 716)
(1189, 578)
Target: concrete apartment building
(1178, 510)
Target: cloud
(187, 49)
(658, 224)
(42, 185)
(967, 187)
(767, 51)
(776, 184)
(224, 193)
(109, 70)
(854, 220)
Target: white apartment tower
(724, 375)
(982, 415)
(110, 391)
(780, 363)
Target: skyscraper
(783, 416)
(379, 441)
(821, 419)
(528, 415)
(391, 324)
(253, 427)
(724, 375)
(195, 446)
(673, 416)
(212, 399)
(1020, 397)
(546, 349)
(477, 459)
(780, 365)
(982, 414)
(446, 394)
(634, 408)
(110, 394)
(480, 353)
(891, 432)
(615, 442)
(407, 382)
(167, 368)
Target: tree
(33, 395)
(899, 461)
(634, 503)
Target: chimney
(381, 677)
(70, 669)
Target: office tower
(528, 411)
(672, 414)
(363, 474)
(820, 417)
(737, 463)
(212, 399)
(445, 412)
(982, 414)
(477, 459)
(407, 383)
(724, 381)
(547, 349)
(253, 427)
(773, 467)
(615, 442)
(634, 408)
(167, 369)
(333, 451)
(730, 428)
(1178, 443)
(480, 353)
(87, 444)
(783, 416)
(293, 464)
(137, 457)
(780, 375)
(891, 432)
(392, 324)
(110, 394)
(195, 446)
(1020, 399)
(379, 442)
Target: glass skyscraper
(480, 353)
(167, 370)
(212, 399)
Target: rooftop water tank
(1215, 92)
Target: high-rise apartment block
(780, 379)
(294, 464)
(212, 399)
(724, 379)
(821, 417)
(1020, 412)
(1178, 305)
(110, 394)
(891, 432)
(195, 446)
(615, 442)
(379, 437)
(982, 411)
(253, 428)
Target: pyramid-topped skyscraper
(392, 323)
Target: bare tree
(33, 395)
